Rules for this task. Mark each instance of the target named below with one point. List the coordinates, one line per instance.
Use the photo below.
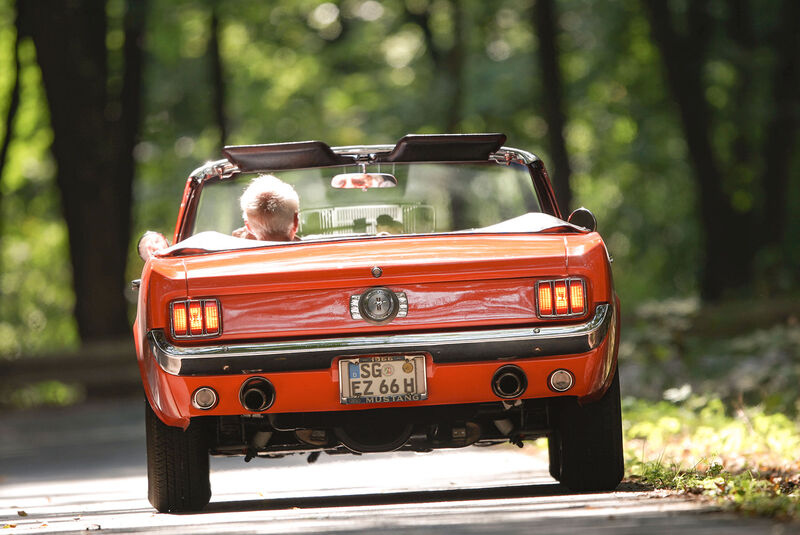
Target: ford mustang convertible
(434, 297)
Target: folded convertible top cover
(445, 148)
(280, 156)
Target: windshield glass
(426, 198)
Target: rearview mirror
(363, 181)
(583, 217)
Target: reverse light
(195, 318)
(560, 298)
(561, 380)
(204, 398)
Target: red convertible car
(434, 297)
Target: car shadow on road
(404, 497)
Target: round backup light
(204, 398)
(561, 380)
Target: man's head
(270, 209)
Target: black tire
(589, 440)
(554, 454)
(177, 466)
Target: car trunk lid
(305, 289)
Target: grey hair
(269, 204)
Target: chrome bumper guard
(444, 347)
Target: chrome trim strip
(220, 168)
(316, 354)
(225, 169)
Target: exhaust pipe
(509, 382)
(257, 394)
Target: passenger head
(270, 209)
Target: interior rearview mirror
(363, 181)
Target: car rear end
(412, 341)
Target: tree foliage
(370, 71)
(740, 120)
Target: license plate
(382, 379)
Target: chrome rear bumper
(444, 347)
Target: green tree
(740, 118)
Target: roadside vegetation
(745, 461)
(711, 403)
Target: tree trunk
(93, 138)
(11, 114)
(217, 77)
(545, 23)
(454, 69)
(782, 126)
(728, 242)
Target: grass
(745, 460)
(712, 406)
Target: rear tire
(588, 443)
(554, 454)
(177, 465)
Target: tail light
(195, 318)
(560, 298)
(545, 299)
(212, 317)
(561, 301)
(576, 297)
(179, 318)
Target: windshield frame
(224, 170)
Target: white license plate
(382, 379)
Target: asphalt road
(83, 468)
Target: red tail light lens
(576, 299)
(561, 297)
(545, 299)
(179, 319)
(562, 305)
(212, 317)
(195, 318)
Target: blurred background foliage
(369, 71)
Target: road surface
(83, 469)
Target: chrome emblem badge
(377, 272)
(378, 305)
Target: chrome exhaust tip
(509, 382)
(257, 394)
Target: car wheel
(177, 465)
(590, 439)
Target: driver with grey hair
(270, 209)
